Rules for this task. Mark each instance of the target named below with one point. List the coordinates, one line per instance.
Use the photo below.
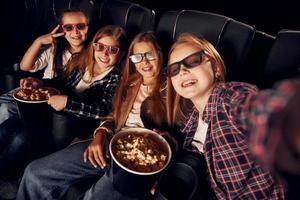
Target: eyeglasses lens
(103, 47)
(137, 58)
(70, 27)
(190, 61)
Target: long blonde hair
(86, 59)
(131, 75)
(175, 104)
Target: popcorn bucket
(138, 156)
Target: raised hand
(49, 38)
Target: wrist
(102, 130)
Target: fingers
(95, 156)
(26, 83)
(98, 157)
(22, 82)
(55, 29)
(107, 151)
(55, 35)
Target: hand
(171, 140)
(50, 37)
(97, 150)
(30, 83)
(58, 102)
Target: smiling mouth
(76, 37)
(103, 60)
(147, 68)
(188, 83)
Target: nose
(75, 29)
(106, 52)
(183, 69)
(144, 59)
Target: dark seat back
(256, 61)
(284, 57)
(131, 16)
(92, 8)
(231, 38)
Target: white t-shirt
(81, 86)
(134, 117)
(46, 60)
(200, 135)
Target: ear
(217, 73)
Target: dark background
(268, 16)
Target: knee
(33, 171)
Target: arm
(238, 101)
(97, 151)
(29, 58)
(279, 108)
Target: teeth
(76, 37)
(146, 68)
(188, 83)
(103, 60)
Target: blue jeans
(8, 129)
(15, 154)
(8, 106)
(50, 177)
(103, 189)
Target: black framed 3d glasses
(189, 62)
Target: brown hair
(62, 44)
(176, 105)
(86, 58)
(130, 75)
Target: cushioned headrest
(231, 38)
(284, 58)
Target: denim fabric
(104, 189)
(8, 106)
(15, 155)
(7, 131)
(51, 176)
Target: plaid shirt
(233, 172)
(94, 102)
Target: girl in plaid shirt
(218, 123)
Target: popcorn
(140, 153)
(40, 94)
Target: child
(65, 40)
(219, 123)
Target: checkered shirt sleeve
(95, 102)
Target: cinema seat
(133, 17)
(231, 38)
(256, 61)
(284, 58)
